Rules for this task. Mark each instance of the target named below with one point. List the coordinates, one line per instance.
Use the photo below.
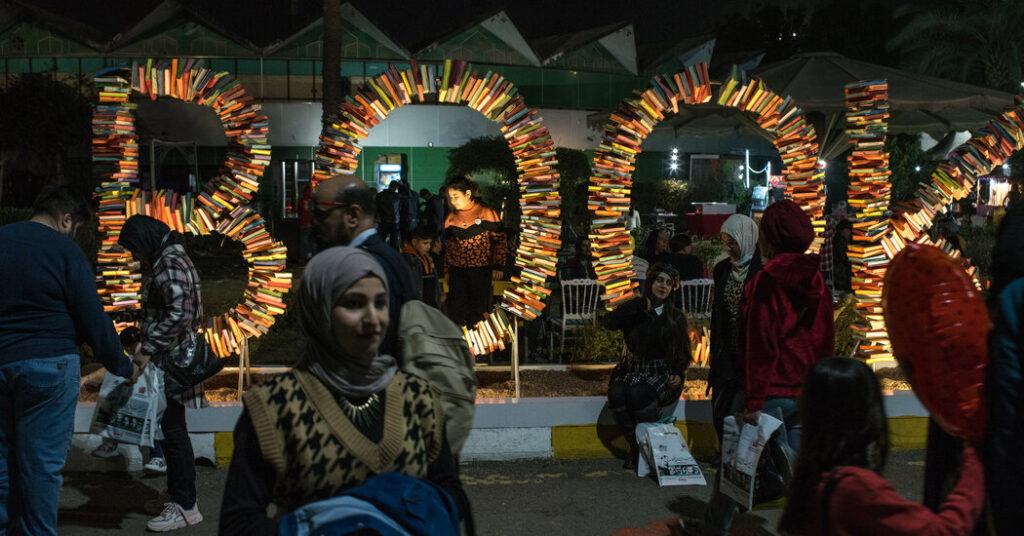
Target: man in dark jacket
(48, 303)
(434, 211)
(387, 214)
(343, 215)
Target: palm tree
(331, 58)
(975, 41)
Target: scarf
(787, 227)
(326, 278)
(743, 230)
(147, 237)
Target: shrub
(597, 345)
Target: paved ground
(564, 497)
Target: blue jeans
(37, 419)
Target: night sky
(418, 24)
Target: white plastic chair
(579, 307)
(696, 297)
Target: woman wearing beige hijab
(739, 242)
(344, 414)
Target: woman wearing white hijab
(344, 414)
(739, 242)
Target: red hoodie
(788, 312)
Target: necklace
(362, 415)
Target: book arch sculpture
(879, 234)
(457, 82)
(635, 118)
(222, 206)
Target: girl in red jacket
(836, 487)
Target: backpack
(432, 347)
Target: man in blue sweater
(48, 304)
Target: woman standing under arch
(475, 250)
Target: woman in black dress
(651, 376)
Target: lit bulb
(917, 168)
(823, 164)
(673, 167)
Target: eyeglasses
(321, 209)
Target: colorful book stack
(457, 82)
(490, 334)
(795, 140)
(700, 346)
(956, 177)
(614, 162)
(220, 207)
(867, 124)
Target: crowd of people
(452, 242)
(347, 414)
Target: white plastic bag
(663, 450)
(131, 413)
(741, 451)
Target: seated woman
(836, 487)
(344, 414)
(651, 377)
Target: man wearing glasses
(344, 210)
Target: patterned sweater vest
(317, 452)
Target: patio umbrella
(917, 103)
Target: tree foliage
(483, 156)
(909, 166)
(43, 123)
(574, 174)
(975, 41)
(491, 156)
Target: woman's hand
(675, 381)
(752, 417)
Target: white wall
(298, 124)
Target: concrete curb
(560, 428)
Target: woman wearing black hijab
(173, 312)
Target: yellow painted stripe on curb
(593, 441)
(224, 447)
(907, 433)
(603, 441)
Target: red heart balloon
(939, 326)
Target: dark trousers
(723, 393)
(469, 294)
(632, 404)
(181, 462)
(389, 232)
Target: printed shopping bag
(131, 413)
(664, 452)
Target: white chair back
(579, 300)
(696, 297)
